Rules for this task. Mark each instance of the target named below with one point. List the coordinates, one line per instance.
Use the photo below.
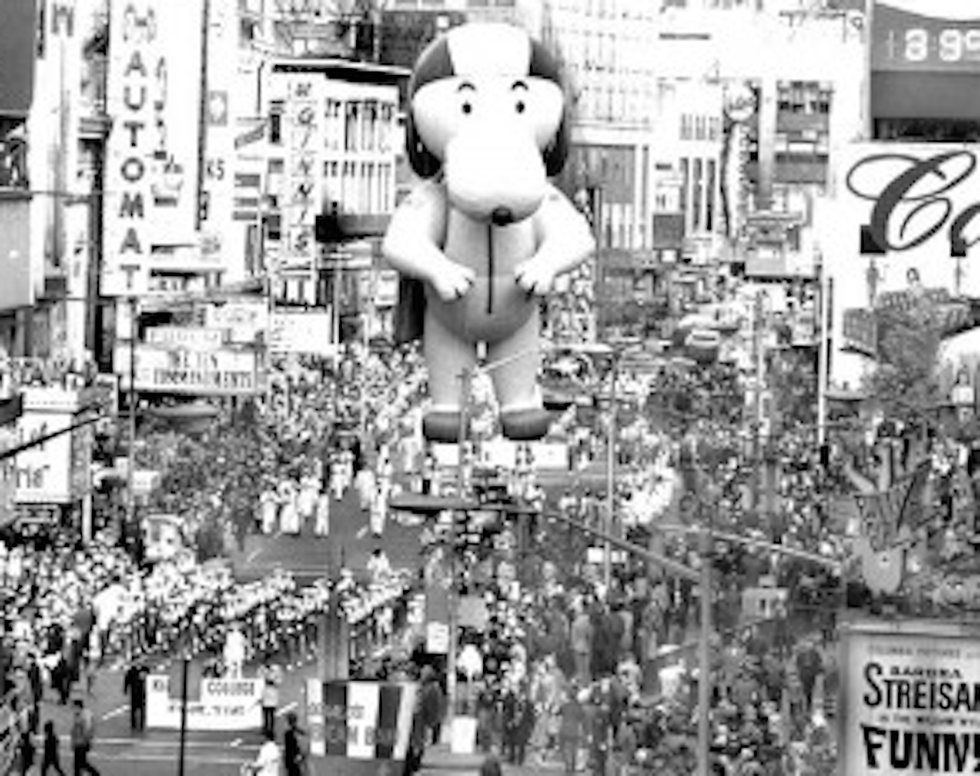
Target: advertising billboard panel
(43, 474)
(18, 42)
(910, 699)
(913, 36)
(900, 231)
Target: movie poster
(910, 700)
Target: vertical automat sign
(910, 699)
(151, 171)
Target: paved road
(120, 752)
(350, 543)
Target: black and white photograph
(489, 387)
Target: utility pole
(462, 492)
(610, 472)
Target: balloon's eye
(467, 108)
(520, 106)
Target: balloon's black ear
(557, 150)
(424, 163)
(544, 65)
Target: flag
(884, 513)
(364, 720)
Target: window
(350, 124)
(698, 195)
(709, 210)
(685, 186)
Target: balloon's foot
(441, 426)
(526, 425)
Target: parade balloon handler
(484, 235)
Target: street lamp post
(131, 468)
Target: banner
(910, 699)
(224, 704)
(360, 720)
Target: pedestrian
(433, 703)
(293, 752)
(416, 740)
(571, 728)
(269, 759)
(51, 755)
(234, 651)
(36, 683)
(134, 683)
(581, 643)
(321, 526)
(82, 736)
(808, 665)
(491, 766)
(272, 677)
(26, 749)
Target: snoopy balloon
(485, 232)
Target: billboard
(43, 474)
(192, 372)
(913, 36)
(901, 228)
(152, 153)
(301, 333)
(910, 699)
(17, 50)
(17, 288)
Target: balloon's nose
(501, 216)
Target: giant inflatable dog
(484, 232)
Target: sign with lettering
(903, 224)
(301, 332)
(8, 478)
(196, 372)
(360, 720)
(242, 320)
(304, 164)
(925, 40)
(152, 155)
(223, 704)
(42, 474)
(910, 699)
(185, 337)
